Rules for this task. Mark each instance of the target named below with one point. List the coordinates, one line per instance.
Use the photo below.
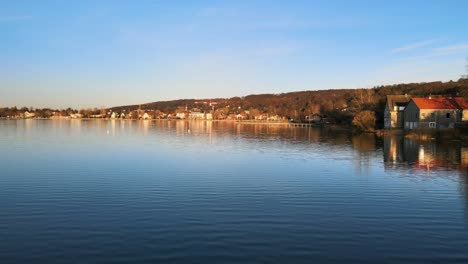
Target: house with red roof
(435, 112)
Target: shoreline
(246, 122)
(415, 133)
(161, 119)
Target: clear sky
(107, 53)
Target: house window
(432, 115)
(432, 124)
(447, 115)
(416, 115)
(423, 115)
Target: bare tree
(362, 98)
(466, 76)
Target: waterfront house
(328, 120)
(145, 116)
(274, 118)
(209, 116)
(394, 109)
(180, 115)
(433, 112)
(28, 114)
(260, 117)
(314, 118)
(74, 116)
(197, 115)
(114, 115)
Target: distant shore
(253, 122)
(419, 134)
(159, 119)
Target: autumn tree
(365, 120)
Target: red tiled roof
(462, 102)
(437, 103)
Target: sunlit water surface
(217, 192)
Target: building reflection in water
(427, 155)
(400, 153)
(437, 158)
(214, 132)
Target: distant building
(197, 115)
(260, 117)
(209, 116)
(146, 116)
(74, 116)
(394, 108)
(28, 114)
(180, 115)
(274, 118)
(114, 115)
(313, 118)
(439, 112)
(328, 120)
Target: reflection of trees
(365, 144)
(254, 131)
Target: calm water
(207, 192)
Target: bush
(365, 120)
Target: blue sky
(107, 53)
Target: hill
(341, 104)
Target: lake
(95, 191)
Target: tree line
(341, 104)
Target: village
(204, 111)
(405, 112)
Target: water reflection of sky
(318, 192)
(209, 138)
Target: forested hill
(339, 103)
